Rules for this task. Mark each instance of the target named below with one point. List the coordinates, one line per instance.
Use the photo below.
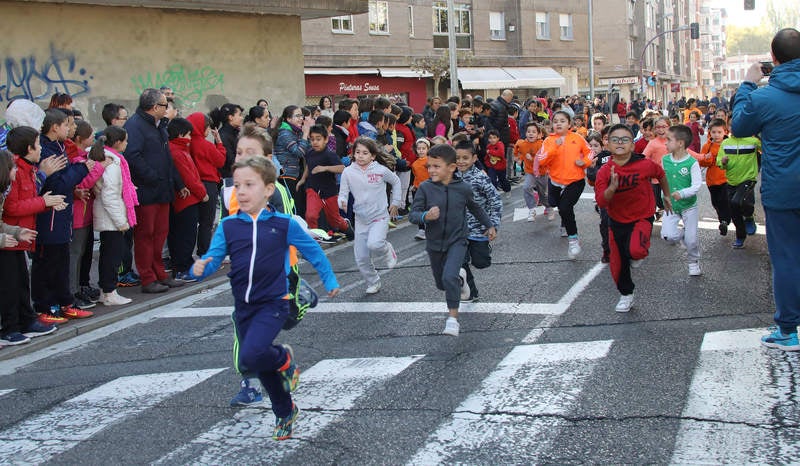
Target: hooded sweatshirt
(772, 111)
(209, 158)
(453, 200)
(21, 112)
(179, 148)
(368, 186)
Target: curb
(80, 327)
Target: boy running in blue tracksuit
(257, 239)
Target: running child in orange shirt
(716, 180)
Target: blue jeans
(783, 241)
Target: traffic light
(749, 4)
(695, 30)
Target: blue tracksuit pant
(783, 241)
(256, 326)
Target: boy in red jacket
(495, 161)
(623, 188)
(183, 215)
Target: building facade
(529, 46)
(209, 52)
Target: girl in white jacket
(113, 211)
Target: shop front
(340, 83)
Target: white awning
(403, 73)
(341, 71)
(510, 78)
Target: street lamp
(644, 49)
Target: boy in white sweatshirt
(366, 179)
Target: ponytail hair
(98, 151)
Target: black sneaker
(82, 302)
(90, 292)
(38, 329)
(13, 339)
(172, 283)
(154, 287)
(723, 228)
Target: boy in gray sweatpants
(441, 204)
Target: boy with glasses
(622, 188)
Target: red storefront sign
(675, 87)
(354, 85)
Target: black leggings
(565, 199)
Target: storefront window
(378, 17)
(463, 26)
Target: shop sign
(366, 86)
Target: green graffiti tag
(189, 85)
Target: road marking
(5, 392)
(564, 303)
(741, 407)
(10, 366)
(518, 408)
(714, 225)
(327, 391)
(43, 436)
(391, 307)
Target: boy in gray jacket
(441, 204)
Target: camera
(766, 68)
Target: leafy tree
(438, 65)
(748, 40)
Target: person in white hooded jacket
(366, 180)
(113, 210)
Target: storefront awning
(510, 78)
(384, 72)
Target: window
(543, 25)
(631, 50)
(342, 24)
(565, 25)
(410, 20)
(463, 26)
(378, 17)
(497, 25)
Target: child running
(623, 189)
(716, 180)
(602, 156)
(419, 170)
(257, 239)
(684, 178)
(441, 204)
(495, 161)
(479, 251)
(566, 155)
(739, 159)
(366, 180)
(534, 188)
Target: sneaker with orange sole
(49, 318)
(74, 313)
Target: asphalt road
(544, 370)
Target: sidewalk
(105, 315)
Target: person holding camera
(772, 111)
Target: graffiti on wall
(37, 77)
(188, 85)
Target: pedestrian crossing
(740, 408)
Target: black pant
(182, 236)
(719, 199)
(445, 266)
(16, 313)
(50, 277)
(127, 253)
(112, 248)
(565, 199)
(742, 201)
(479, 253)
(499, 179)
(298, 196)
(604, 230)
(206, 213)
(622, 239)
(86, 259)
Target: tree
(748, 40)
(782, 14)
(439, 65)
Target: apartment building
(525, 45)
(713, 55)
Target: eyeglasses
(622, 140)
(162, 105)
(300, 115)
(662, 126)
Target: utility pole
(591, 54)
(451, 40)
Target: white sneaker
(391, 256)
(372, 289)
(451, 327)
(551, 213)
(636, 263)
(462, 278)
(420, 235)
(531, 215)
(563, 232)
(625, 303)
(574, 248)
(694, 269)
(113, 299)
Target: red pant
(314, 204)
(148, 241)
(628, 241)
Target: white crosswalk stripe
(742, 406)
(43, 436)
(327, 390)
(518, 406)
(5, 392)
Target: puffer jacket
(109, 211)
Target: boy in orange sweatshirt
(534, 188)
(716, 180)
